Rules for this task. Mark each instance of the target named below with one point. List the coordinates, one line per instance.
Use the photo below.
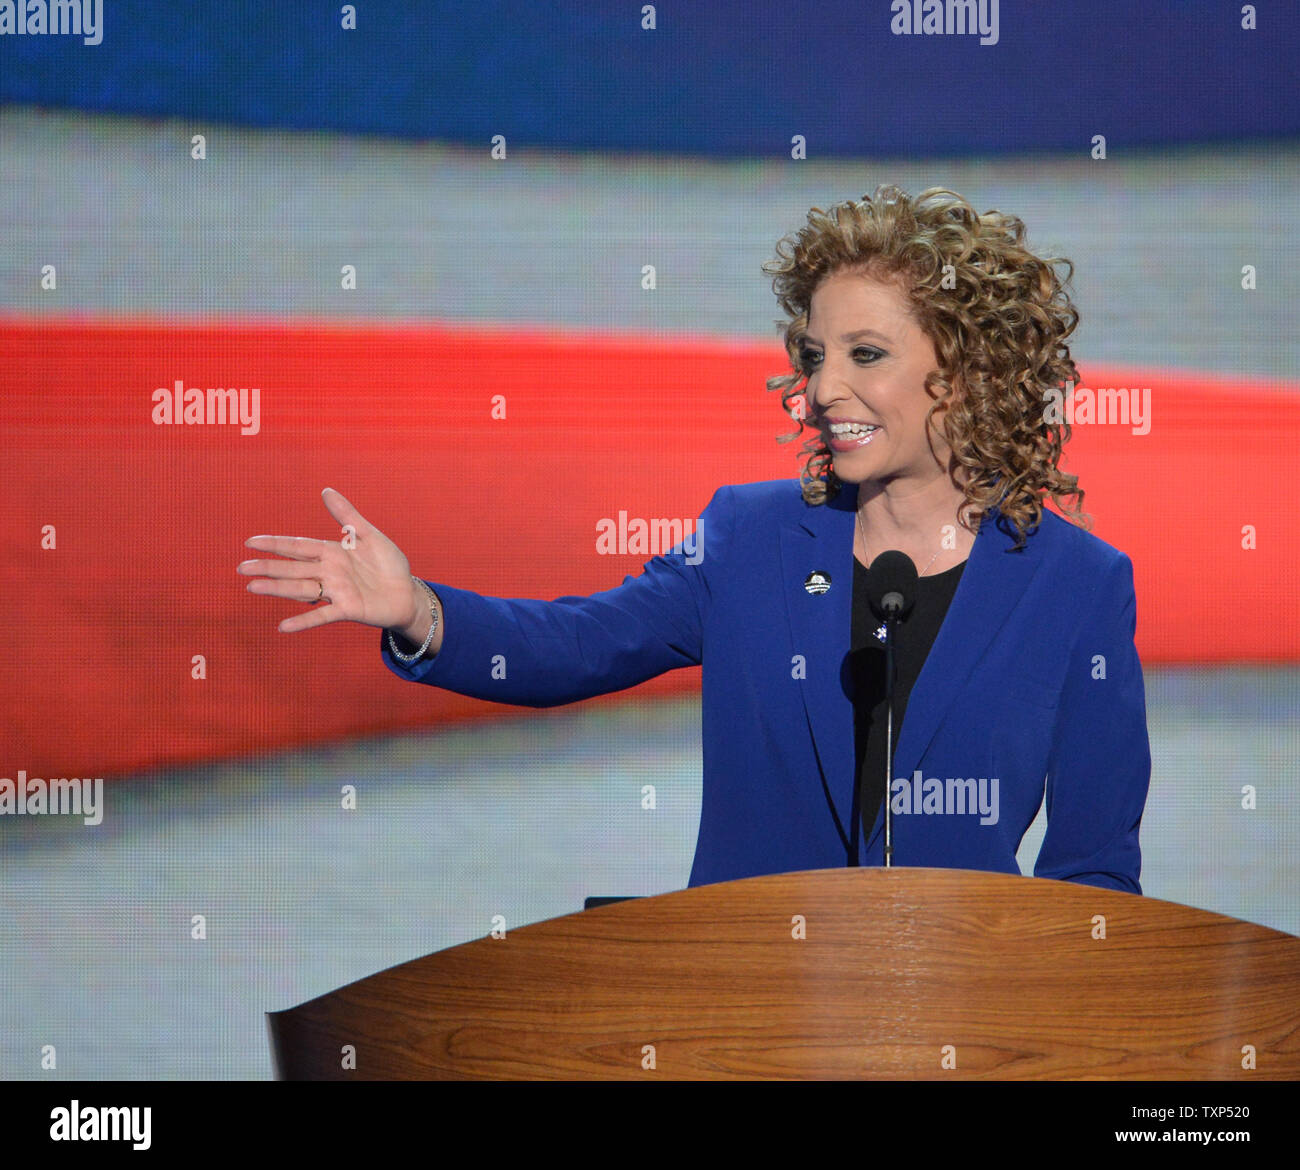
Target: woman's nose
(831, 388)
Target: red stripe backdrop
(150, 520)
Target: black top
(913, 637)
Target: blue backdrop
(587, 76)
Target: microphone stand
(892, 605)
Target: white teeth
(852, 429)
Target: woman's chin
(851, 469)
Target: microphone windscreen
(892, 572)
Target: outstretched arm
(545, 653)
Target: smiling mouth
(851, 430)
(849, 437)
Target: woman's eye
(864, 354)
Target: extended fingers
(296, 580)
(298, 548)
(342, 509)
(282, 570)
(301, 589)
(298, 577)
(309, 619)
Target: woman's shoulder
(771, 499)
(1056, 539)
(1073, 547)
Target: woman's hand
(363, 578)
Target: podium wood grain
(898, 967)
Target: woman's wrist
(422, 633)
(416, 628)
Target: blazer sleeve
(545, 653)
(1100, 762)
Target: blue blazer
(1033, 687)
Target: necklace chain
(858, 522)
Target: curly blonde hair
(998, 317)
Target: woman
(924, 339)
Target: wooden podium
(848, 973)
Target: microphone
(891, 584)
(891, 591)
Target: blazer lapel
(994, 580)
(822, 543)
(991, 586)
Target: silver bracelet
(433, 612)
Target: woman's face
(867, 361)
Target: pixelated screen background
(184, 200)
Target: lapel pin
(818, 581)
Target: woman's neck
(922, 522)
